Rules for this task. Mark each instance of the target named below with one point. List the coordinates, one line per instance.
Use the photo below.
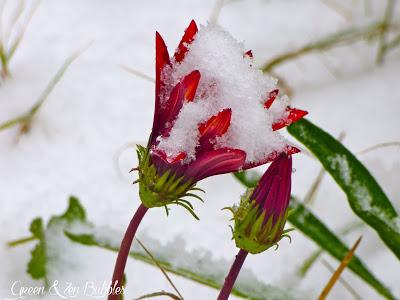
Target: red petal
(271, 98)
(187, 39)
(289, 150)
(190, 83)
(249, 54)
(162, 59)
(294, 115)
(169, 159)
(217, 125)
(215, 162)
(183, 91)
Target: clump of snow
(340, 163)
(227, 81)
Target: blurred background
(339, 60)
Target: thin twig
(342, 281)
(137, 73)
(157, 294)
(378, 146)
(25, 120)
(347, 15)
(8, 47)
(393, 43)
(218, 4)
(308, 199)
(21, 241)
(305, 267)
(160, 267)
(383, 29)
(335, 276)
(346, 36)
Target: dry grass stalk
(336, 275)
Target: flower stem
(233, 273)
(124, 252)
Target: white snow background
(97, 108)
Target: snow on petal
(227, 81)
(187, 38)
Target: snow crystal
(227, 81)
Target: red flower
(209, 161)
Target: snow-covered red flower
(212, 116)
(261, 216)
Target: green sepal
(161, 190)
(251, 231)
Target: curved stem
(233, 273)
(124, 252)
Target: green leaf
(364, 194)
(37, 266)
(306, 222)
(75, 212)
(37, 263)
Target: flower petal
(249, 54)
(162, 59)
(169, 159)
(293, 116)
(190, 83)
(215, 162)
(271, 98)
(289, 150)
(183, 91)
(163, 163)
(187, 39)
(217, 125)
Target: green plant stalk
(346, 36)
(382, 37)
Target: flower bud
(261, 215)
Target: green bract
(157, 190)
(251, 232)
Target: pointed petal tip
(190, 83)
(249, 53)
(193, 25)
(271, 98)
(294, 115)
(186, 40)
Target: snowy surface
(98, 108)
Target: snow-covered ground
(97, 108)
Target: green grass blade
(364, 194)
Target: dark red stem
(124, 252)
(233, 274)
